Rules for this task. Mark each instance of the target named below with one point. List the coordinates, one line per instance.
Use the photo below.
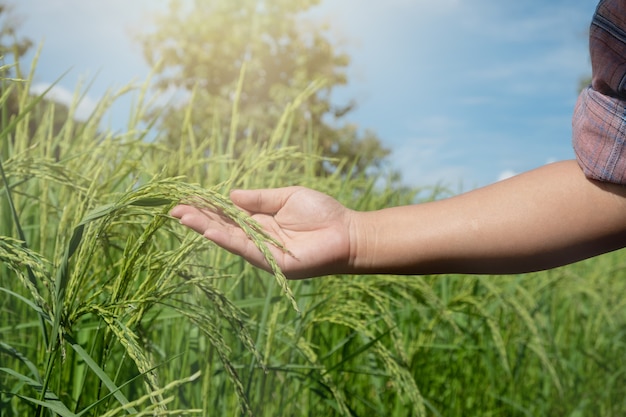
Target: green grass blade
(55, 406)
(106, 380)
(10, 350)
(28, 302)
(50, 399)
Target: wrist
(363, 238)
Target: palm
(311, 225)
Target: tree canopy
(10, 43)
(201, 46)
(13, 48)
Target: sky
(463, 92)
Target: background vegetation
(109, 307)
(197, 49)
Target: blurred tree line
(200, 46)
(198, 49)
(13, 47)
(10, 43)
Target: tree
(13, 48)
(202, 48)
(9, 41)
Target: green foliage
(12, 49)
(109, 307)
(10, 43)
(201, 50)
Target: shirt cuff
(599, 136)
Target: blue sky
(464, 92)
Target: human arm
(541, 219)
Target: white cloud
(506, 174)
(60, 94)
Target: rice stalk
(205, 323)
(95, 223)
(535, 343)
(364, 301)
(129, 340)
(305, 348)
(16, 257)
(227, 310)
(496, 334)
(156, 409)
(27, 168)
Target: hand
(314, 227)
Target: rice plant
(109, 307)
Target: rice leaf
(10, 350)
(55, 406)
(130, 407)
(50, 401)
(106, 380)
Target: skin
(538, 220)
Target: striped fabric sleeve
(599, 121)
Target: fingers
(267, 201)
(180, 210)
(238, 244)
(192, 217)
(225, 234)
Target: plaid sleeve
(599, 122)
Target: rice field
(109, 307)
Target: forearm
(538, 220)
